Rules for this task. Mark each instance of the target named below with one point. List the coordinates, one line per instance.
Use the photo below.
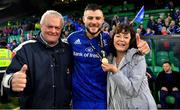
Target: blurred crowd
(26, 28)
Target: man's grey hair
(51, 13)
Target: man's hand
(19, 79)
(142, 45)
(148, 75)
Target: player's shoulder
(76, 33)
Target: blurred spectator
(168, 83)
(21, 39)
(65, 34)
(176, 14)
(149, 32)
(105, 27)
(166, 44)
(79, 25)
(115, 20)
(13, 44)
(5, 59)
(29, 35)
(151, 23)
(178, 21)
(166, 23)
(159, 26)
(173, 29)
(112, 31)
(164, 31)
(143, 31)
(15, 31)
(69, 27)
(151, 79)
(169, 17)
(138, 30)
(20, 30)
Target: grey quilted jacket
(128, 88)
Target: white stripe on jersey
(24, 43)
(73, 33)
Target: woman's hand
(142, 45)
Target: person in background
(151, 23)
(106, 30)
(127, 82)
(89, 81)
(29, 35)
(151, 79)
(143, 31)
(5, 60)
(14, 44)
(173, 28)
(39, 72)
(21, 40)
(148, 32)
(139, 31)
(168, 83)
(164, 31)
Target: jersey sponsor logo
(79, 54)
(86, 55)
(77, 42)
(89, 49)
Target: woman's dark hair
(124, 27)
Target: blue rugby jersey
(88, 79)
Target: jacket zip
(53, 81)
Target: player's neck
(91, 36)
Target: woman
(127, 81)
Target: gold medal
(104, 60)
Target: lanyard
(102, 54)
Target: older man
(39, 70)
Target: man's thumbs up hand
(23, 69)
(19, 79)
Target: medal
(104, 59)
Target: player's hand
(109, 67)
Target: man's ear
(83, 18)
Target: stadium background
(26, 14)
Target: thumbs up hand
(19, 79)
(142, 45)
